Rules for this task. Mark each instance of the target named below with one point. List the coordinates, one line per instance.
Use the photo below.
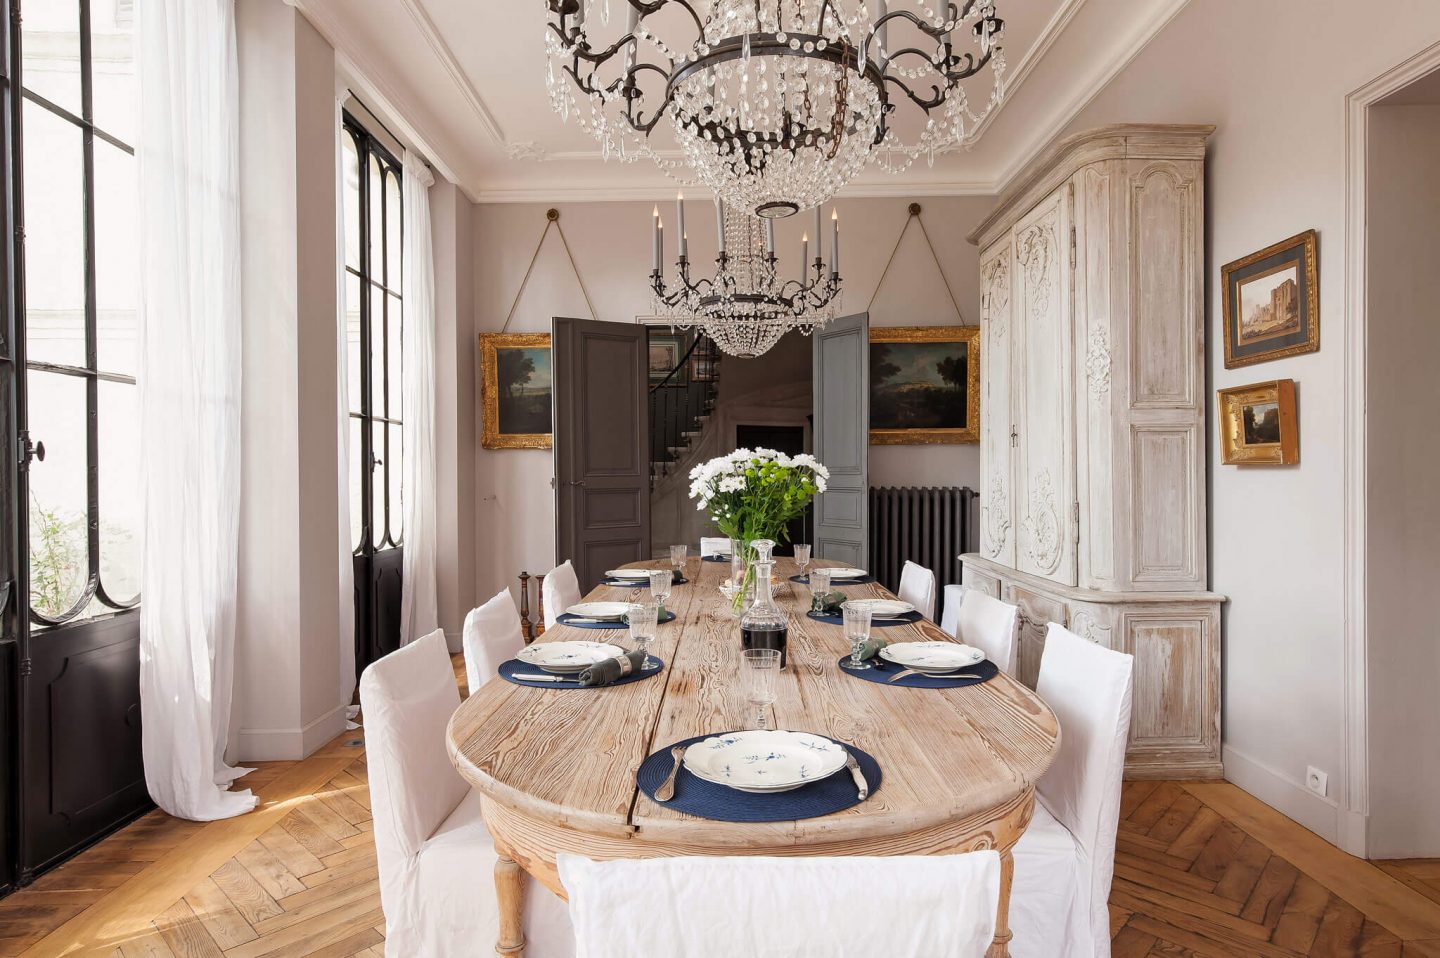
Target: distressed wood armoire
(1092, 499)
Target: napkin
(612, 670)
(872, 648)
(828, 603)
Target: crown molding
(446, 56)
(898, 189)
(1056, 26)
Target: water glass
(644, 620)
(857, 630)
(677, 558)
(660, 582)
(802, 556)
(759, 669)
(819, 581)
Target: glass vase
(744, 554)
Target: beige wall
(1274, 81)
(611, 244)
(1403, 452)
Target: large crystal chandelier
(746, 305)
(775, 104)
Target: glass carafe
(764, 625)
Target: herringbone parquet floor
(1201, 870)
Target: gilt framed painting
(515, 390)
(666, 349)
(1272, 302)
(1258, 424)
(924, 384)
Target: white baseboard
(1292, 798)
(287, 744)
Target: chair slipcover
(492, 635)
(1066, 859)
(952, 595)
(991, 626)
(559, 591)
(917, 586)
(714, 546)
(924, 906)
(434, 853)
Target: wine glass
(819, 581)
(857, 630)
(758, 671)
(802, 558)
(660, 582)
(677, 559)
(644, 621)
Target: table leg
(1000, 946)
(510, 894)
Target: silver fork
(666, 791)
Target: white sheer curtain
(342, 418)
(189, 400)
(418, 615)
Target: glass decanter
(764, 625)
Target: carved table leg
(510, 894)
(1000, 947)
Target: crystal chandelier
(775, 104)
(746, 306)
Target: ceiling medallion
(775, 104)
(746, 306)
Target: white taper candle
(834, 242)
(656, 233)
(680, 223)
(719, 224)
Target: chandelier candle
(720, 225)
(680, 223)
(658, 231)
(834, 243)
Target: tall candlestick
(720, 224)
(883, 30)
(656, 233)
(680, 223)
(819, 246)
(804, 254)
(632, 21)
(770, 237)
(834, 242)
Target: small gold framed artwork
(1272, 302)
(515, 390)
(924, 385)
(1258, 425)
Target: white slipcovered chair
(952, 596)
(923, 906)
(435, 855)
(492, 635)
(989, 625)
(1065, 860)
(917, 586)
(559, 591)
(714, 546)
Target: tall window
(80, 308)
(372, 300)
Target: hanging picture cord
(552, 218)
(915, 217)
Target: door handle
(577, 482)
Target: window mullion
(92, 346)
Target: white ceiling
(464, 83)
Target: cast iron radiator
(931, 526)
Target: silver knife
(615, 622)
(930, 675)
(543, 678)
(857, 775)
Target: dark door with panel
(602, 462)
(842, 438)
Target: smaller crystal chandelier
(747, 305)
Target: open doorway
(703, 404)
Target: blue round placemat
(565, 618)
(695, 796)
(805, 579)
(888, 621)
(884, 671)
(638, 583)
(508, 669)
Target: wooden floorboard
(1202, 869)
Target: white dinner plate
(883, 608)
(846, 573)
(565, 658)
(600, 610)
(932, 656)
(764, 761)
(641, 574)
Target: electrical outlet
(1316, 780)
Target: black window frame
(367, 146)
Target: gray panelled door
(602, 462)
(842, 438)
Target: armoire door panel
(997, 536)
(1095, 345)
(1162, 318)
(1043, 367)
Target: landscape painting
(1259, 425)
(924, 384)
(1272, 302)
(516, 390)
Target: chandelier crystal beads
(774, 104)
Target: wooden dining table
(556, 767)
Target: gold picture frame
(1271, 302)
(531, 407)
(902, 409)
(1258, 424)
